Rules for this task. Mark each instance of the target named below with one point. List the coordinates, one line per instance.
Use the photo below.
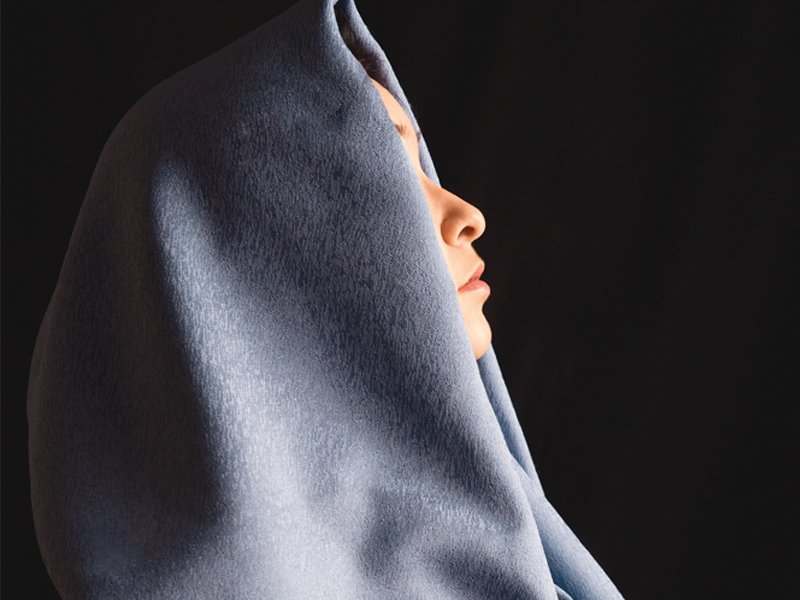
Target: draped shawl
(253, 379)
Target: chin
(480, 335)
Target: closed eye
(405, 132)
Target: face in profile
(457, 224)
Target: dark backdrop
(637, 163)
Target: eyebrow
(405, 131)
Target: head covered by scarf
(254, 380)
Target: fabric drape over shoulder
(253, 379)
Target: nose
(459, 222)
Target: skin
(457, 224)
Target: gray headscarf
(253, 379)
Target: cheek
(436, 219)
(449, 260)
(436, 212)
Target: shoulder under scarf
(253, 379)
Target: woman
(456, 223)
(257, 376)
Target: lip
(474, 282)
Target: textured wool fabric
(253, 379)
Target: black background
(638, 165)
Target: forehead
(396, 112)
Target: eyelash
(401, 129)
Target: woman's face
(457, 224)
